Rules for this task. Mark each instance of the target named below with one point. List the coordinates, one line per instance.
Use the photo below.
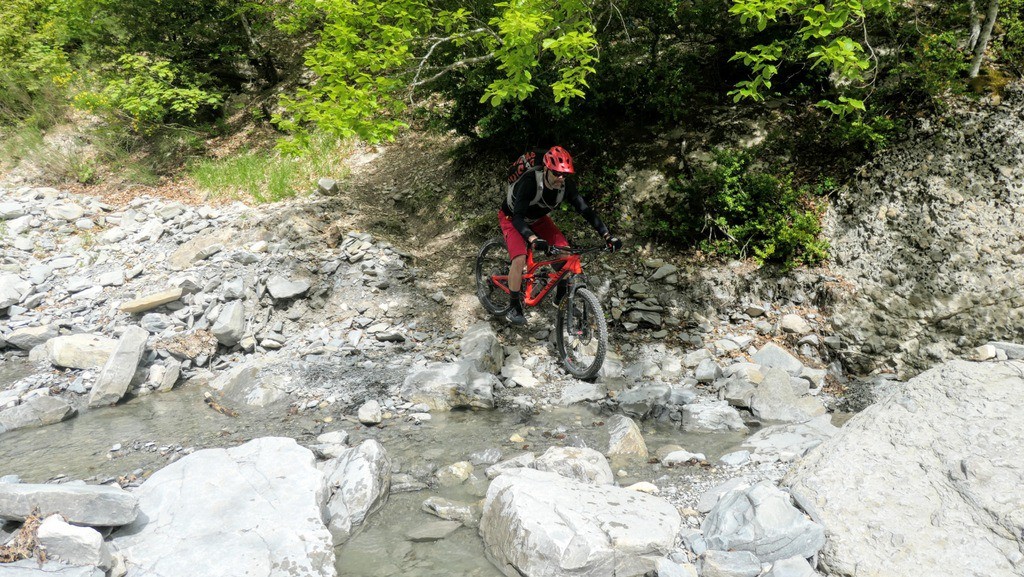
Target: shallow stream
(135, 438)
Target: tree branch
(460, 64)
(439, 40)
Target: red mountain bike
(581, 330)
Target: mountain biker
(524, 218)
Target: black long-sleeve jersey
(525, 207)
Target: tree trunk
(986, 35)
(259, 56)
(972, 41)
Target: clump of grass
(267, 175)
(18, 143)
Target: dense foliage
(598, 77)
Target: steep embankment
(932, 234)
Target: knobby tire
(582, 341)
(492, 260)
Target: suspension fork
(574, 283)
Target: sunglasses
(557, 174)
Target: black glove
(613, 242)
(539, 245)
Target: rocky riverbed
(307, 361)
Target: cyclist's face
(555, 178)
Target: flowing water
(151, 431)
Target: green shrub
(733, 209)
(149, 91)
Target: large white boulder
(537, 524)
(359, 480)
(256, 509)
(927, 480)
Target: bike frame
(571, 265)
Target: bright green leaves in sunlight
(363, 46)
(821, 34)
(371, 56)
(527, 31)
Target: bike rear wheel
(582, 334)
(492, 260)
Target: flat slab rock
(927, 480)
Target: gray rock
(230, 324)
(792, 567)
(447, 386)
(449, 510)
(359, 481)
(667, 568)
(11, 210)
(707, 371)
(738, 392)
(775, 400)
(774, 356)
(691, 360)
(31, 337)
(664, 271)
(481, 345)
(112, 278)
(934, 451)
(67, 212)
(73, 545)
(579, 463)
(795, 324)
(682, 457)
(254, 384)
(370, 413)
(639, 402)
(711, 417)
(280, 287)
(1013, 351)
(234, 289)
(12, 289)
(327, 186)
(78, 284)
(254, 509)
(710, 497)
(625, 439)
(153, 300)
(761, 520)
(331, 445)
(735, 459)
(162, 377)
(93, 505)
(521, 461)
(715, 563)
(486, 457)
(36, 412)
(790, 442)
(683, 395)
(432, 531)
(155, 322)
(537, 523)
(119, 369)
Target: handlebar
(554, 250)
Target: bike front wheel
(582, 334)
(492, 261)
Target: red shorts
(544, 228)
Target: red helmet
(558, 159)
